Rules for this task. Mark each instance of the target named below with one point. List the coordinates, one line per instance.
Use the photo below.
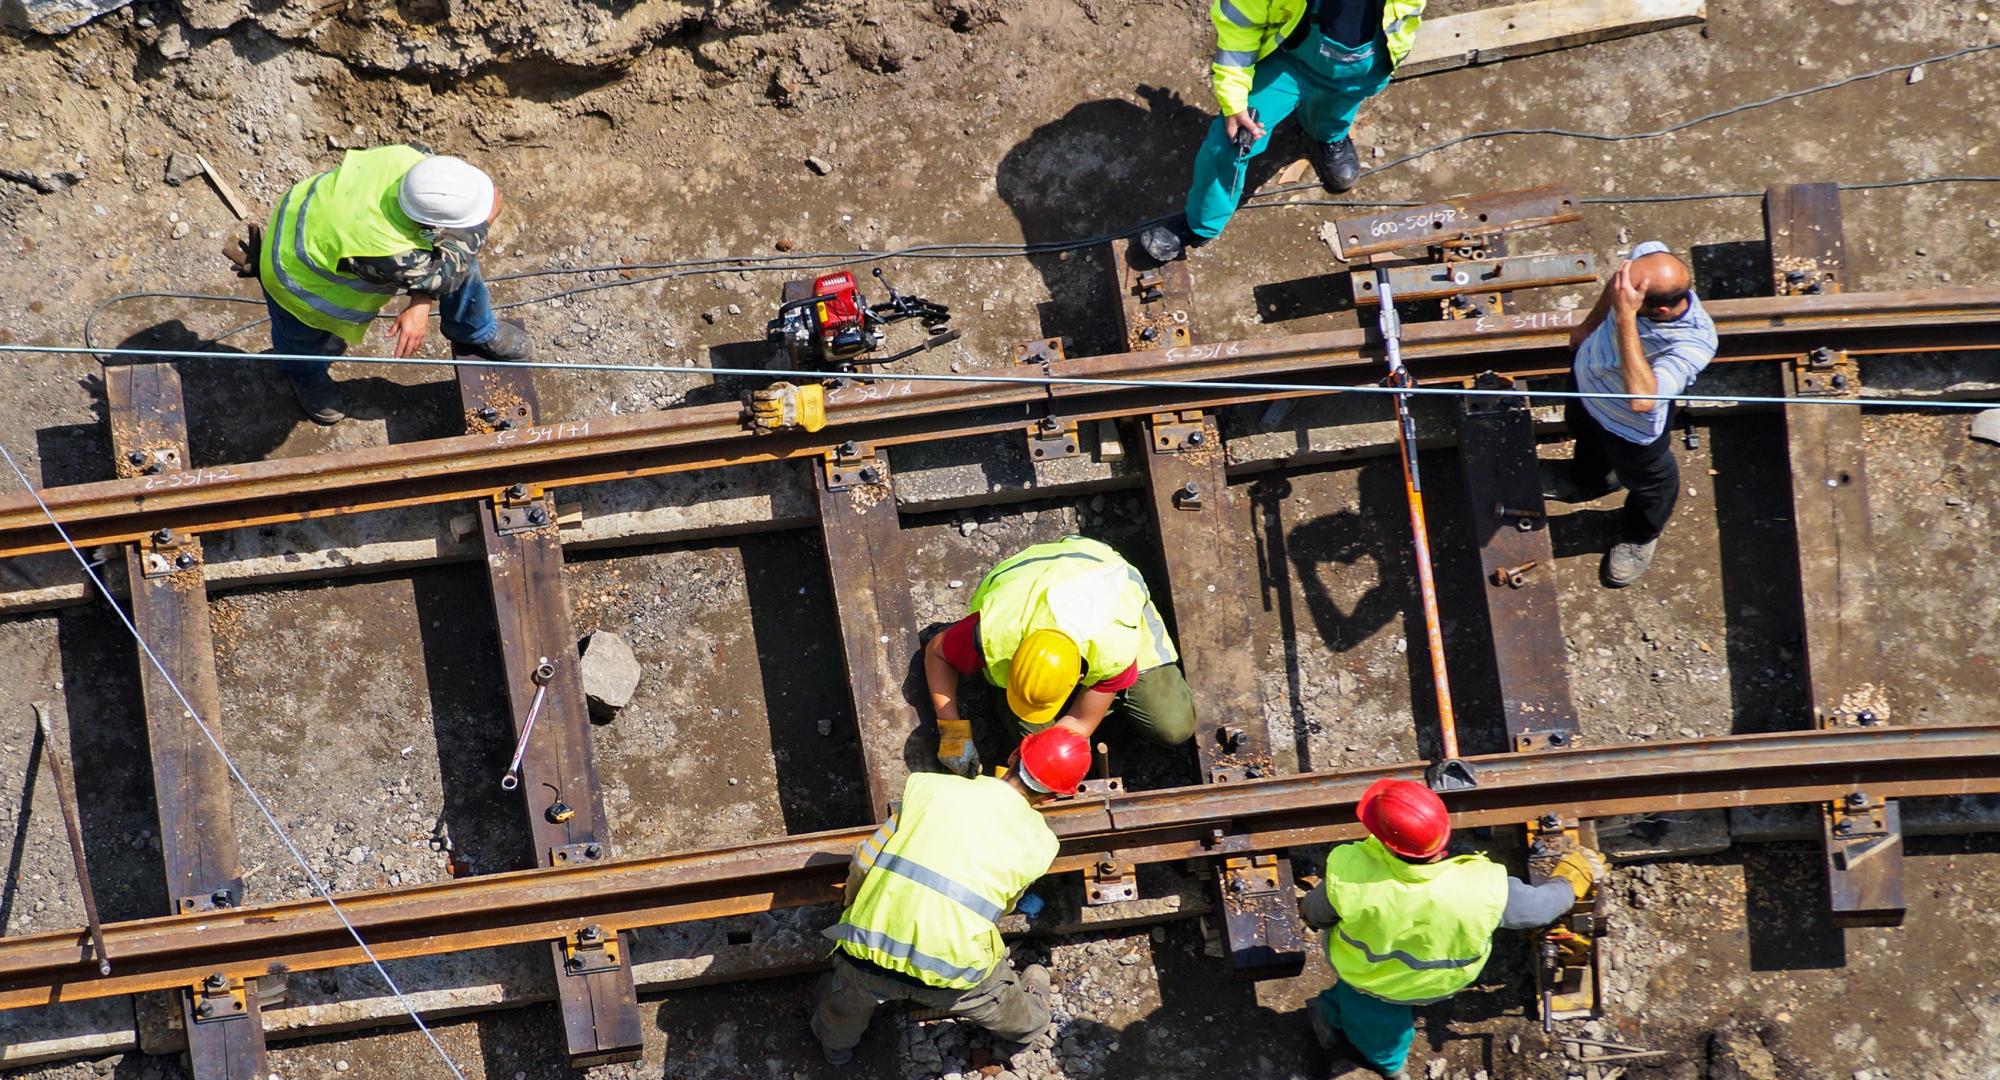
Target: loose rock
(610, 674)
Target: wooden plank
(1207, 590)
(1862, 835)
(524, 565)
(192, 788)
(878, 625)
(1496, 453)
(1538, 26)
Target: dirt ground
(621, 134)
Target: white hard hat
(446, 193)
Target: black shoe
(1559, 486)
(1339, 168)
(320, 397)
(509, 342)
(1170, 239)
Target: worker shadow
(1787, 921)
(1731, 270)
(1327, 555)
(241, 410)
(1304, 297)
(755, 355)
(24, 812)
(1101, 168)
(470, 721)
(1763, 608)
(108, 743)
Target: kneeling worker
(1408, 926)
(926, 892)
(1067, 628)
(1319, 58)
(394, 219)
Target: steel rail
(1153, 826)
(889, 413)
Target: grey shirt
(1528, 906)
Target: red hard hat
(1054, 759)
(1406, 816)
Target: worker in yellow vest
(387, 221)
(926, 892)
(1407, 926)
(1067, 629)
(1318, 58)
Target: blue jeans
(1381, 1031)
(1325, 93)
(465, 314)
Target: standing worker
(1647, 335)
(926, 892)
(1320, 58)
(1046, 622)
(1408, 926)
(394, 219)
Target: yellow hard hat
(1045, 671)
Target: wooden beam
(558, 776)
(191, 785)
(1538, 26)
(878, 626)
(1204, 549)
(1861, 834)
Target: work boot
(509, 342)
(319, 397)
(1035, 980)
(1338, 166)
(1625, 563)
(1170, 239)
(1559, 486)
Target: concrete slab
(74, 1029)
(1952, 816)
(1673, 835)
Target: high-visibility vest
(1411, 932)
(963, 851)
(1081, 587)
(347, 212)
(1247, 31)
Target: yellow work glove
(955, 749)
(1581, 867)
(782, 406)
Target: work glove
(1581, 867)
(782, 406)
(955, 749)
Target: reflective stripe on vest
(346, 212)
(1411, 932)
(1247, 31)
(962, 852)
(1082, 587)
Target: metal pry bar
(66, 797)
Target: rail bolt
(592, 851)
(163, 536)
(590, 933)
(221, 898)
(205, 1009)
(1107, 868)
(488, 413)
(216, 981)
(184, 560)
(850, 449)
(1857, 800)
(135, 458)
(1197, 438)
(1843, 827)
(1552, 821)
(1557, 738)
(537, 516)
(870, 474)
(1050, 425)
(517, 491)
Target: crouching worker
(925, 895)
(1407, 926)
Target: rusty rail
(565, 454)
(1154, 826)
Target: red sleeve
(1121, 681)
(960, 644)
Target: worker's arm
(1087, 711)
(1317, 910)
(413, 324)
(1531, 906)
(945, 660)
(941, 679)
(1592, 321)
(865, 856)
(1636, 370)
(1240, 31)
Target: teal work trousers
(1380, 1031)
(1325, 94)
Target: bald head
(1664, 278)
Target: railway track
(584, 897)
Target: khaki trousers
(850, 994)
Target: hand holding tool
(1581, 867)
(955, 747)
(783, 406)
(544, 672)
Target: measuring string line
(257, 800)
(1024, 380)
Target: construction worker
(394, 219)
(1647, 335)
(1408, 926)
(925, 894)
(1319, 58)
(1067, 629)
